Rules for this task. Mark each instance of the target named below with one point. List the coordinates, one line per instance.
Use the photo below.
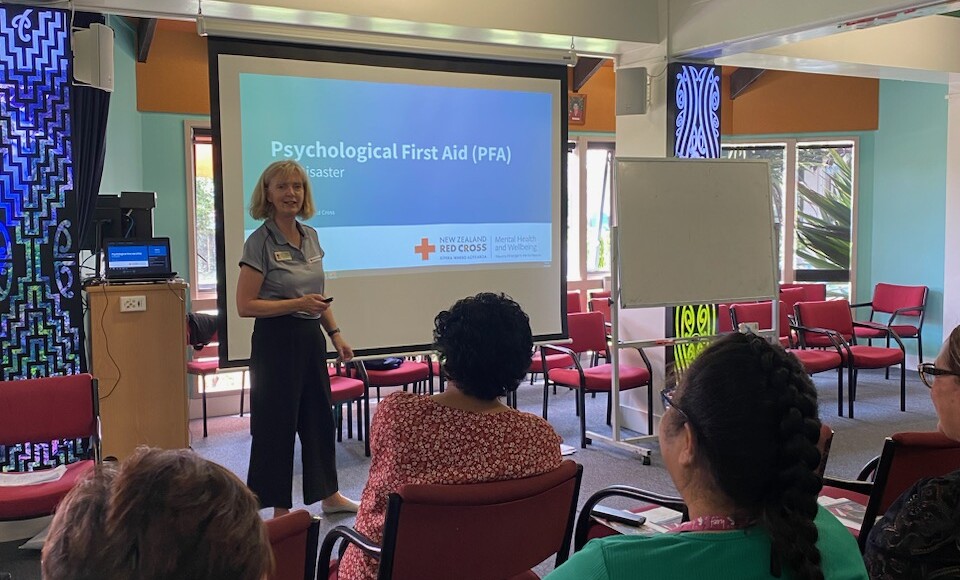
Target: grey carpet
(856, 442)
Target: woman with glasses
(739, 439)
(919, 536)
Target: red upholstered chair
(589, 334)
(346, 390)
(813, 291)
(40, 411)
(602, 305)
(588, 527)
(906, 458)
(294, 538)
(900, 302)
(573, 302)
(499, 529)
(813, 361)
(205, 362)
(597, 293)
(410, 372)
(538, 363)
(829, 323)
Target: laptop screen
(138, 259)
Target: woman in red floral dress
(465, 434)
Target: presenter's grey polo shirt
(288, 271)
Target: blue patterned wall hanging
(40, 308)
(693, 110)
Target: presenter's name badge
(282, 256)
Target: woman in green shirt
(738, 437)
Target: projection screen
(433, 178)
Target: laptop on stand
(146, 260)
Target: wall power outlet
(133, 303)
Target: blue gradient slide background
(399, 192)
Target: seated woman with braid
(738, 438)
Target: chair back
(829, 314)
(489, 530)
(812, 291)
(41, 410)
(753, 312)
(588, 332)
(601, 305)
(573, 301)
(293, 540)
(597, 293)
(889, 298)
(906, 458)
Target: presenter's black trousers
(290, 395)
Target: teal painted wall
(165, 173)
(909, 195)
(145, 151)
(123, 165)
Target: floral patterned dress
(416, 440)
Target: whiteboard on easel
(694, 231)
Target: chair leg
(546, 391)
(886, 373)
(650, 408)
(903, 383)
(359, 419)
(840, 391)
(203, 397)
(851, 390)
(583, 417)
(349, 419)
(609, 406)
(919, 348)
(366, 420)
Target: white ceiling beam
(596, 27)
(709, 29)
(923, 49)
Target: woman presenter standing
(281, 284)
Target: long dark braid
(754, 412)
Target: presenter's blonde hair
(261, 209)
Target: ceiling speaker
(93, 56)
(632, 91)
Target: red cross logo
(424, 249)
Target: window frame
(200, 299)
(580, 272)
(791, 146)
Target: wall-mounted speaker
(93, 56)
(632, 91)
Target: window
(202, 233)
(814, 207)
(589, 198)
(201, 216)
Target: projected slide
(408, 175)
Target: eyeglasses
(929, 372)
(666, 397)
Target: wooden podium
(139, 357)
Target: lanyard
(711, 524)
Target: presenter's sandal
(340, 505)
